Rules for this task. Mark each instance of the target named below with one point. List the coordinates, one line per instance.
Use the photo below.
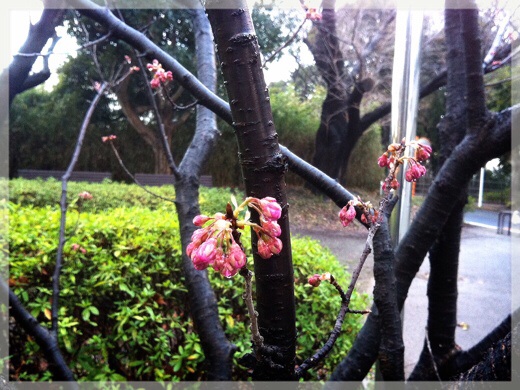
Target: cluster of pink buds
(348, 213)
(316, 279)
(133, 69)
(77, 247)
(216, 242)
(311, 13)
(215, 245)
(85, 195)
(160, 76)
(392, 158)
(109, 138)
(268, 231)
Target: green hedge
(109, 195)
(123, 313)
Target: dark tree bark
(202, 301)
(391, 349)
(263, 170)
(444, 194)
(43, 337)
(444, 254)
(39, 34)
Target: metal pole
(405, 99)
(481, 186)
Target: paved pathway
(485, 275)
(484, 291)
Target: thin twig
(122, 164)
(63, 207)
(256, 337)
(287, 43)
(345, 301)
(175, 105)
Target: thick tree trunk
(444, 194)
(324, 46)
(202, 301)
(444, 254)
(21, 65)
(263, 169)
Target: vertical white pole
(481, 187)
(405, 98)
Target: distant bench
(150, 179)
(91, 177)
(501, 225)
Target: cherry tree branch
(63, 208)
(47, 342)
(39, 34)
(122, 165)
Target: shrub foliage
(123, 311)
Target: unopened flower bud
(85, 195)
(383, 160)
(314, 280)
(205, 255)
(270, 208)
(263, 249)
(201, 219)
(347, 214)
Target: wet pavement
(485, 280)
(485, 292)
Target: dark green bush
(499, 196)
(123, 313)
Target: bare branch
(63, 208)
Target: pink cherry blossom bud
(347, 214)
(205, 255)
(168, 75)
(263, 249)
(75, 247)
(191, 247)
(85, 195)
(134, 69)
(408, 176)
(275, 245)
(272, 228)
(394, 184)
(236, 258)
(199, 236)
(228, 272)
(82, 250)
(414, 172)
(155, 83)
(423, 152)
(270, 208)
(128, 59)
(109, 138)
(383, 160)
(314, 280)
(201, 219)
